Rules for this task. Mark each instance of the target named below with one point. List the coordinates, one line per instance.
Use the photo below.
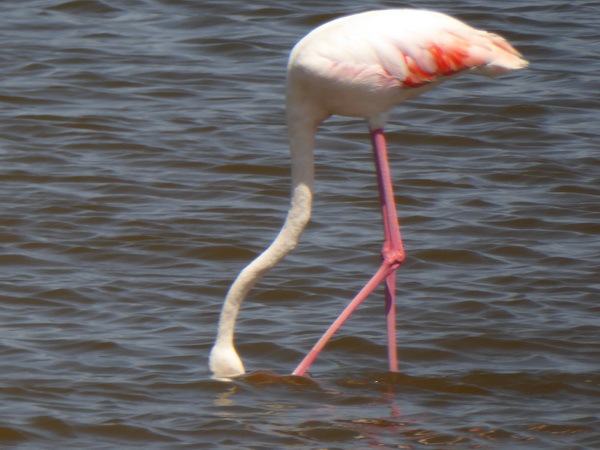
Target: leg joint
(393, 259)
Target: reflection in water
(223, 399)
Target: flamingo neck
(224, 359)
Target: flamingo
(359, 66)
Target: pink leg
(393, 257)
(390, 311)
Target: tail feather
(499, 56)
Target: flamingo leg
(393, 256)
(393, 250)
(390, 312)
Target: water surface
(143, 163)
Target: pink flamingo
(359, 66)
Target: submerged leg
(393, 257)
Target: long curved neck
(302, 135)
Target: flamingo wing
(406, 48)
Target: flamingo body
(359, 66)
(363, 65)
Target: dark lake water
(143, 163)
